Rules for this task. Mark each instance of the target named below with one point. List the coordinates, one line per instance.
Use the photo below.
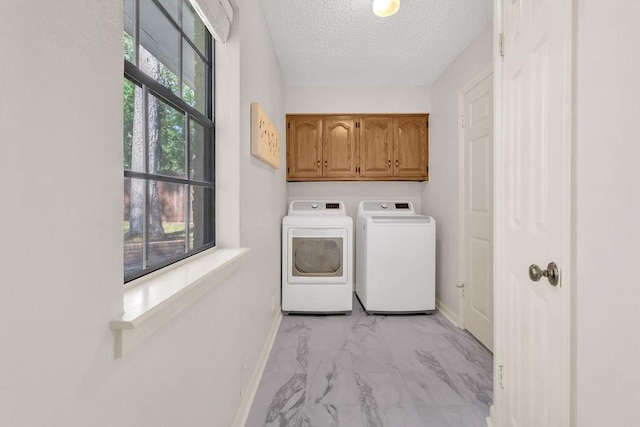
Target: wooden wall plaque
(265, 138)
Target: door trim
(495, 416)
(461, 179)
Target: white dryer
(317, 258)
(395, 258)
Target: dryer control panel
(313, 207)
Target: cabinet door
(304, 147)
(410, 146)
(338, 142)
(376, 140)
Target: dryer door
(317, 255)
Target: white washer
(317, 258)
(395, 258)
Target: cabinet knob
(318, 167)
(326, 165)
(389, 163)
(396, 162)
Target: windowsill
(151, 302)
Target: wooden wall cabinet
(339, 147)
(410, 152)
(358, 147)
(376, 147)
(304, 147)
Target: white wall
(440, 193)
(352, 100)
(61, 247)
(263, 195)
(607, 210)
(385, 99)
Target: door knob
(551, 273)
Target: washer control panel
(391, 206)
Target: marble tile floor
(373, 370)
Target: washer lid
(401, 220)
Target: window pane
(201, 163)
(132, 225)
(133, 127)
(193, 27)
(201, 221)
(165, 139)
(194, 74)
(128, 47)
(159, 46)
(171, 6)
(165, 221)
(128, 31)
(128, 111)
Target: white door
(533, 212)
(476, 101)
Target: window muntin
(168, 136)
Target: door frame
(461, 180)
(495, 418)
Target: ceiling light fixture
(384, 8)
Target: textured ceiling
(342, 43)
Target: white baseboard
(254, 382)
(448, 313)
